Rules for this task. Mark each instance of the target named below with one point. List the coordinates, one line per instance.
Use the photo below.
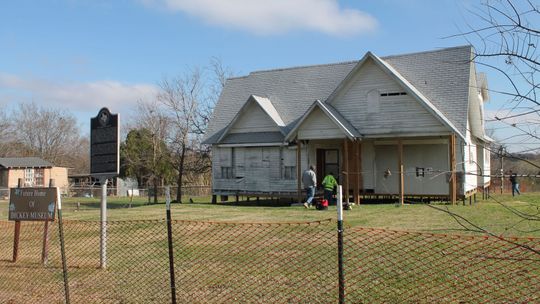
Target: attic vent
(393, 94)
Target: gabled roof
(24, 162)
(266, 106)
(332, 114)
(402, 81)
(440, 76)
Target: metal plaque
(105, 144)
(32, 204)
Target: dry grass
(277, 263)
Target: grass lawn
(271, 263)
(490, 214)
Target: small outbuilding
(404, 126)
(34, 172)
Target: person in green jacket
(329, 184)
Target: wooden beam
(358, 174)
(452, 182)
(401, 175)
(299, 170)
(346, 170)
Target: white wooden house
(401, 126)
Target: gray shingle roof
(442, 76)
(24, 162)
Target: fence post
(45, 247)
(341, 281)
(62, 246)
(170, 243)
(17, 234)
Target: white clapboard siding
(254, 119)
(470, 163)
(317, 126)
(432, 159)
(368, 164)
(386, 158)
(487, 166)
(256, 169)
(396, 114)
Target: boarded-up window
(226, 156)
(373, 97)
(239, 161)
(288, 163)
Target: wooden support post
(346, 170)
(17, 234)
(16, 239)
(358, 175)
(452, 181)
(401, 173)
(299, 170)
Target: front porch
(406, 169)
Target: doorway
(327, 162)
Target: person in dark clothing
(309, 179)
(515, 184)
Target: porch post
(346, 170)
(400, 164)
(299, 170)
(358, 169)
(452, 182)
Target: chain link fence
(265, 263)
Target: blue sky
(86, 54)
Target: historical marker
(105, 144)
(104, 163)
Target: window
(226, 162)
(28, 177)
(288, 163)
(226, 172)
(39, 177)
(289, 172)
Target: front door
(327, 162)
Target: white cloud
(87, 96)
(276, 16)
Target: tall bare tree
(506, 34)
(5, 134)
(506, 39)
(49, 133)
(189, 100)
(182, 98)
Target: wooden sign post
(104, 163)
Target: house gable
(318, 126)
(253, 119)
(258, 115)
(322, 121)
(378, 101)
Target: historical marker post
(104, 162)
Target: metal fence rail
(266, 263)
